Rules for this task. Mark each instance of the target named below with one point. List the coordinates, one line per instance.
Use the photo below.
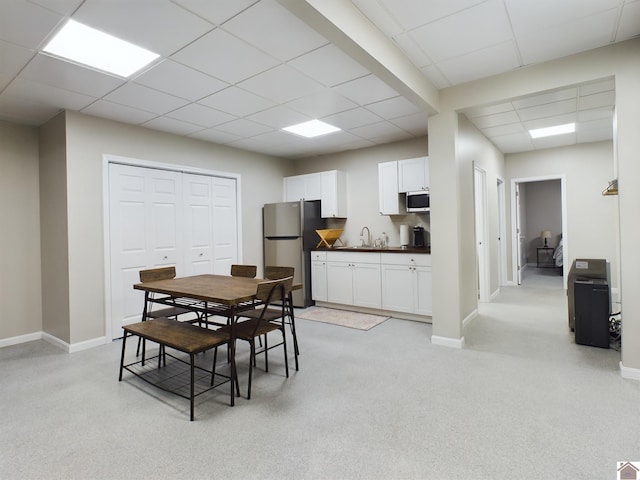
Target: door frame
(106, 242)
(514, 219)
(502, 233)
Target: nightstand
(544, 257)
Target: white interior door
(225, 224)
(145, 225)
(480, 192)
(198, 215)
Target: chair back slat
(153, 274)
(273, 272)
(274, 290)
(248, 271)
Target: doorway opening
(539, 226)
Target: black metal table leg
(193, 359)
(124, 344)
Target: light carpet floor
(343, 318)
(521, 400)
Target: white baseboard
(629, 373)
(469, 318)
(29, 337)
(69, 348)
(447, 342)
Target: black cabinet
(592, 312)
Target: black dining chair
(264, 320)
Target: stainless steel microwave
(418, 201)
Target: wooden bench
(182, 337)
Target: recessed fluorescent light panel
(549, 131)
(313, 128)
(88, 46)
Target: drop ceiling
(235, 72)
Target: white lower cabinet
(406, 283)
(353, 278)
(394, 282)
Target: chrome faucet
(366, 243)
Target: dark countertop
(377, 249)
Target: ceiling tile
(201, 115)
(144, 98)
(42, 94)
(507, 129)
(484, 110)
(270, 27)
(215, 11)
(483, 25)
(225, 57)
(23, 112)
(216, 136)
(281, 84)
(68, 76)
(480, 63)
(567, 38)
(517, 142)
(415, 124)
(118, 112)
(171, 125)
(243, 128)
(596, 114)
(545, 98)
(555, 141)
(547, 110)
(379, 16)
(436, 77)
(551, 121)
(416, 54)
(329, 66)
(375, 131)
(496, 119)
(237, 101)
(63, 7)
(321, 104)
(279, 117)
(393, 108)
(366, 90)
(176, 79)
(629, 22)
(597, 87)
(13, 58)
(158, 25)
(530, 16)
(597, 100)
(411, 13)
(26, 24)
(357, 117)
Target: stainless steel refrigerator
(289, 235)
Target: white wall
(20, 289)
(361, 167)
(591, 217)
(88, 138)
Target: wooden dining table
(207, 295)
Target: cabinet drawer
(353, 257)
(318, 256)
(408, 259)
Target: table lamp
(546, 234)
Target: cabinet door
(388, 189)
(339, 283)
(397, 288)
(294, 188)
(312, 186)
(423, 295)
(334, 194)
(413, 174)
(367, 288)
(319, 280)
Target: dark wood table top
(223, 289)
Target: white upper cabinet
(334, 194)
(390, 201)
(328, 187)
(302, 187)
(413, 174)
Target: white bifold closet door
(159, 218)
